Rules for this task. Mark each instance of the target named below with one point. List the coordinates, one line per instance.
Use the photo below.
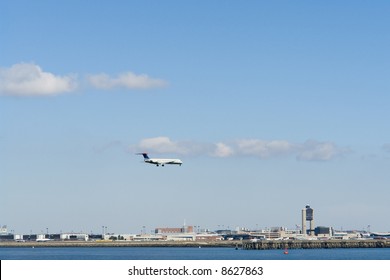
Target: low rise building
(147, 237)
(208, 237)
(168, 230)
(74, 236)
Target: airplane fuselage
(163, 161)
(42, 239)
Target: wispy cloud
(313, 150)
(308, 151)
(264, 149)
(386, 147)
(222, 150)
(108, 146)
(164, 145)
(28, 79)
(127, 80)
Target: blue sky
(271, 105)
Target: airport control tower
(308, 215)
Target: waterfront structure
(187, 233)
(315, 244)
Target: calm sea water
(131, 253)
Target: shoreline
(245, 245)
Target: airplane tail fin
(145, 155)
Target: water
(174, 253)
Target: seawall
(122, 244)
(314, 244)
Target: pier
(314, 244)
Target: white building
(74, 236)
(181, 237)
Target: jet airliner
(160, 161)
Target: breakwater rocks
(314, 244)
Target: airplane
(160, 161)
(42, 239)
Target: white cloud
(159, 145)
(28, 79)
(163, 145)
(127, 80)
(223, 150)
(320, 151)
(264, 149)
(308, 151)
